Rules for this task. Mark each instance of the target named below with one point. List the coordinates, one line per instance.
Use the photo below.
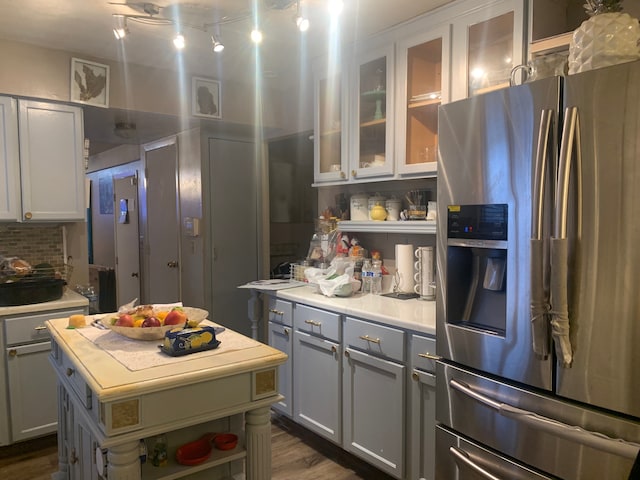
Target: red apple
(124, 320)
(150, 322)
(175, 317)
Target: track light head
(178, 41)
(256, 36)
(120, 29)
(217, 44)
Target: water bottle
(375, 282)
(366, 276)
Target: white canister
(359, 207)
(393, 206)
(374, 200)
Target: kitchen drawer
(317, 322)
(280, 311)
(374, 339)
(423, 353)
(77, 383)
(31, 328)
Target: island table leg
(123, 462)
(258, 439)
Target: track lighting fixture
(151, 14)
(217, 44)
(120, 29)
(178, 41)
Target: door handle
(172, 264)
(460, 455)
(134, 274)
(553, 427)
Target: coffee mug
(425, 286)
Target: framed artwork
(89, 83)
(205, 98)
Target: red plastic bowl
(225, 441)
(196, 452)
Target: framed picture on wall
(89, 83)
(205, 98)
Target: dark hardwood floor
(297, 454)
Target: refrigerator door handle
(460, 456)
(559, 251)
(572, 433)
(539, 302)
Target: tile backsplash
(33, 243)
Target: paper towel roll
(404, 265)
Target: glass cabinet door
(330, 145)
(423, 84)
(373, 112)
(488, 43)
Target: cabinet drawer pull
(40, 328)
(70, 371)
(430, 356)
(313, 322)
(13, 352)
(370, 339)
(277, 312)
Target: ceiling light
(301, 22)
(217, 45)
(120, 29)
(178, 41)
(256, 36)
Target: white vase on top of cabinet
(422, 68)
(372, 121)
(330, 154)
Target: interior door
(163, 229)
(127, 239)
(234, 230)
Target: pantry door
(127, 241)
(162, 253)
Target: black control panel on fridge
(477, 222)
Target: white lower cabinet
(374, 395)
(317, 372)
(422, 413)
(281, 337)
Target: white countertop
(414, 314)
(69, 299)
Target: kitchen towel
(404, 281)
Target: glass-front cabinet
(423, 85)
(330, 124)
(373, 119)
(491, 42)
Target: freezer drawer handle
(598, 441)
(462, 456)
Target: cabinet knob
(73, 458)
(415, 376)
(28, 215)
(343, 175)
(286, 332)
(354, 174)
(172, 264)
(334, 349)
(134, 274)
(70, 371)
(346, 353)
(13, 352)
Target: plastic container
(367, 275)
(159, 456)
(376, 277)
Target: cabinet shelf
(373, 123)
(425, 227)
(424, 103)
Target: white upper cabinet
(331, 158)
(422, 67)
(373, 113)
(9, 161)
(51, 161)
(487, 43)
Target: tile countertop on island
(69, 299)
(414, 314)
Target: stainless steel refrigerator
(538, 269)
